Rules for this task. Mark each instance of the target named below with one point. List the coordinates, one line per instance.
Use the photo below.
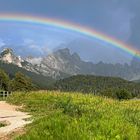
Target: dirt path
(14, 118)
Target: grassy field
(66, 116)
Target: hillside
(41, 81)
(77, 116)
(97, 85)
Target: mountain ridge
(62, 63)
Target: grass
(1, 98)
(2, 124)
(66, 116)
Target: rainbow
(73, 27)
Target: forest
(111, 87)
(105, 86)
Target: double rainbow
(73, 27)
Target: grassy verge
(61, 116)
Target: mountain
(7, 56)
(71, 64)
(62, 63)
(12, 64)
(66, 62)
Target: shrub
(123, 94)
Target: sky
(117, 18)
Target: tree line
(19, 82)
(105, 86)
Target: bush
(123, 94)
(116, 93)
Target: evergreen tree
(22, 83)
(4, 80)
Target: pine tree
(4, 80)
(22, 83)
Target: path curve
(15, 118)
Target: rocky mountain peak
(65, 54)
(65, 61)
(6, 51)
(65, 51)
(7, 55)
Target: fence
(4, 94)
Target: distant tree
(109, 92)
(4, 80)
(123, 94)
(22, 83)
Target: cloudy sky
(117, 18)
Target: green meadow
(76, 116)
